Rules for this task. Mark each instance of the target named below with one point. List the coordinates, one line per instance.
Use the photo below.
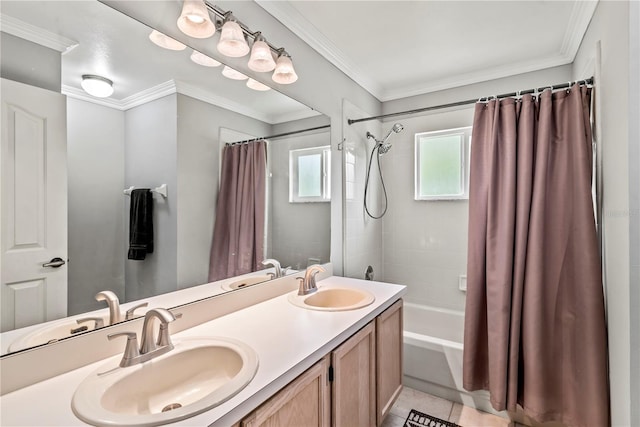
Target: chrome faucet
(276, 265)
(308, 283)
(150, 347)
(114, 305)
(115, 315)
(130, 314)
(150, 344)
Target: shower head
(396, 128)
(384, 148)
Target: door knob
(54, 263)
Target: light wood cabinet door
(389, 359)
(354, 386)
(303, 402)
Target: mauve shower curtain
(238, 232)
(535, 331)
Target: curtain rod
(473, 101)
(278, 135)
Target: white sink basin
(197, 375)
(52, 332)
(247, 281)
(333, 299)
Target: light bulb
(165, 41)
(232, 42)
(261, 59)
(97, 86)
(194, 20)
(284, 72)
(233, 74)
(202, 59)
(256, 85)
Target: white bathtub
(433, 355)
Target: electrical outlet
(462, 282)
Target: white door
(34, 205)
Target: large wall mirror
(165, 124)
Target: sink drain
(171, 407)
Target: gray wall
(198, 152)
(30, 63)
(150, 160)
(634, 204)
(95, 152)
(605, 51)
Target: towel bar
(162, 190)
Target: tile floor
(450, 411)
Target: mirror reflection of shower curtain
(238, 234)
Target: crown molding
(142, 97)
(289, 16)
(18, 28)
(73, 92)
(212, 98)
(156, 92)
(476, 76)
(579, 20)
(296, 115)
(170, 87)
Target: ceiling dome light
(261, 59)
(97, 86)
(230, 73)
(256, 85)
(202, 59)
(194, 20)
(284, 73)
(232, 42)
(165, 41)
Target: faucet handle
(98, 322)
(301, 287)
(131, 349)
(114, 305)
(130, 313)
(163, 335)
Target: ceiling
(396, 49)
(93, 38)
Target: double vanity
(332, 357)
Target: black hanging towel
(141, 224)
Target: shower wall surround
(425, 242)
(363, 235)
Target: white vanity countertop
(288, 341)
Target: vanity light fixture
(232, 42)
(202, 59)
(232, 74)
(97, 86)
(165, 41)
(256, 85)
(284, 72)
(261, 59)
(194, 20)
